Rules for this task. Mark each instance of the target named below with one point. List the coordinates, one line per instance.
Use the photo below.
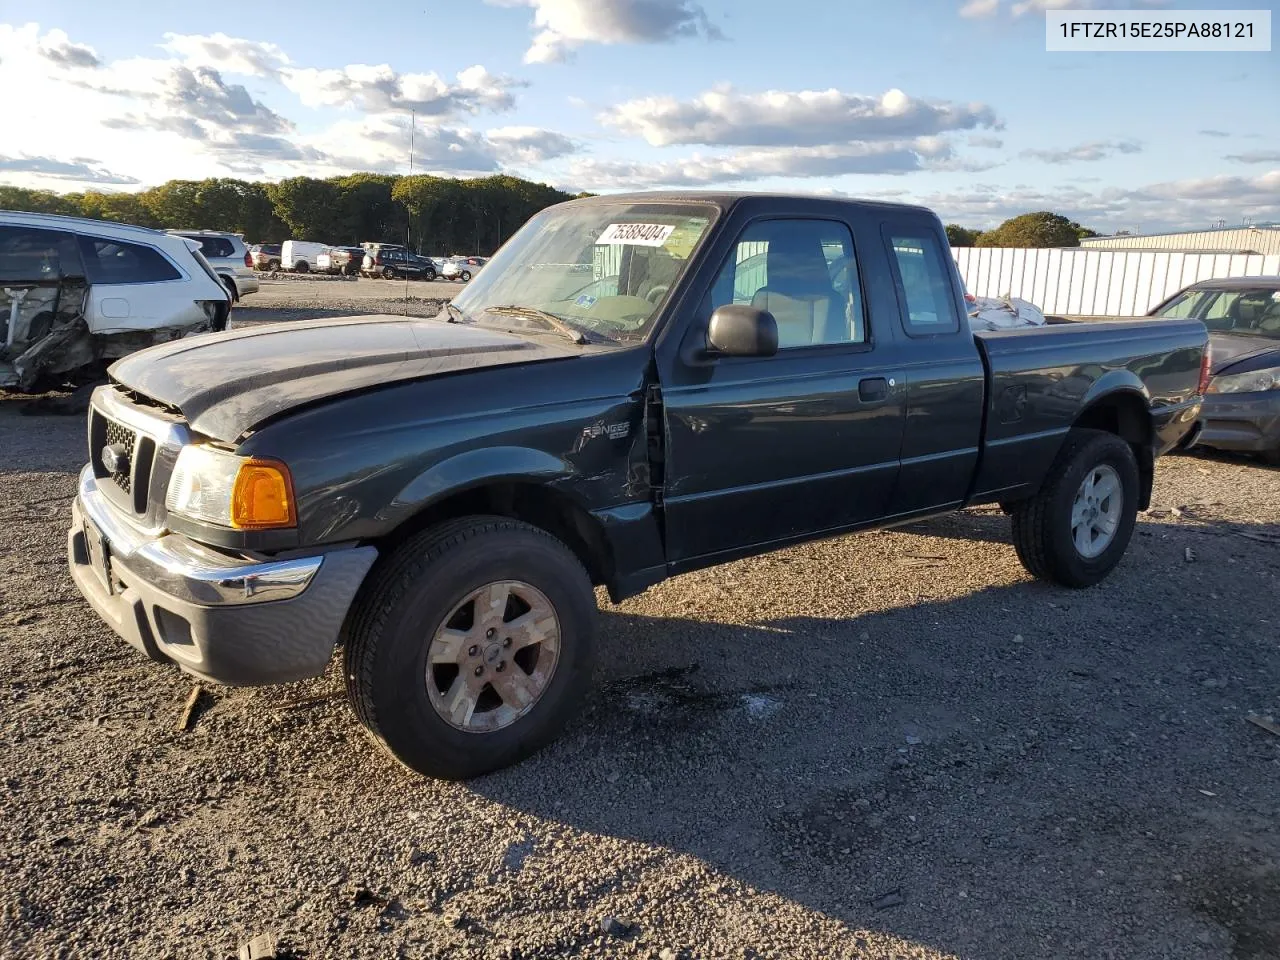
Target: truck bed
(1040, 378)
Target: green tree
(959, 236)
(1040, 229)
(37, 201)
(309, 207)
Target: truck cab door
(769, 450)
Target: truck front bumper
(223, 619)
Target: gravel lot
(892, 745)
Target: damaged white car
(77, 294)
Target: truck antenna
(408, 223)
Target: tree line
(433, 215)
(1040, 229)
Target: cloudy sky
(953, 103)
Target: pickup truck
(635, 386)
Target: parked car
(266, 256)
(300, 255)
(462, 268)
(75, 293)
(443, 494)
(1241, 410)
(396, 262)
(229, 257)
(340, 260)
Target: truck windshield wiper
(576, 334)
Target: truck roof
(728, 199)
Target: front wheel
(466, 276)
(388, 273)
(1075, 530)
(471, 646)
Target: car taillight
(248, 259)
(1206, 364)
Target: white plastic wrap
(1004, 313)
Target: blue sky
(953, 103)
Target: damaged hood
(1230, 349)
(226, 384)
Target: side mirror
(738, 330)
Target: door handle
(873, 389)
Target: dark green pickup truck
(634, 387)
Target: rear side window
(29, 255)
(215, 247)
(114, 261)
(924, 283)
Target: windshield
(604, 268)
(1249, 311)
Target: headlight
(1255, 381)
(215, 486)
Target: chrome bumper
(221, 618)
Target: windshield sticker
(586, 300)
(637, 234)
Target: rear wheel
(388, 273)
(428, 274)
(466, 276)
(301, 266)
(471, 646)
(231, 289)
(1075, 530)
(273, 265)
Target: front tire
(1075, 530)
(471, 646)
(302, 266)
(466, 276)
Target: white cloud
(79, 169)
(981, 9)
(57, 47)
(1169, 205)
(741, 166)
(380, 89)
(529, 145)
(725, 117)
(229, 54)
(1256, 156)
(1084, 152)
(564, 25)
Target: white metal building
(1263, 239)
(1075, 281)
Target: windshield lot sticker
(586, 300)
(637, 234)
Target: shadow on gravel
(1019, 765)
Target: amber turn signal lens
(263, 496)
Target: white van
(300, 255)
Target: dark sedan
(1241, 410)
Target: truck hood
(1230, 349)
(226, 384)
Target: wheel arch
(512, 482)
(1125, 411)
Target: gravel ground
(300, 299)
(895, 746)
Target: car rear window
(114, 261)
(214, 247)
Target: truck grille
(132, 449)
(124, 437)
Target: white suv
(75, 293)
(229, 257)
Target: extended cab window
(804, 272)
(114, 261)
(924, 284)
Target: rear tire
(388, 273)
(466, 276)
(1053, 531)
(301, 266)
(410, 607)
